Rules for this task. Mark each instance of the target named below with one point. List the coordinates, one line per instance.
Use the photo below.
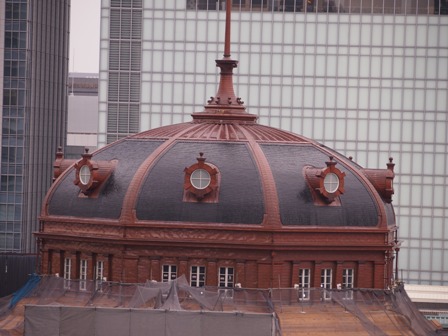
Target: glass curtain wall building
(367, 78)
(34, 56)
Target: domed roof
(222, 168)
(262, 180)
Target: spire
(225, 105)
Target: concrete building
(82, 119)
(367, 78)
(34, 59)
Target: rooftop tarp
(85, 321)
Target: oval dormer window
(200, 179)
(84, 175)
(326, 184)
(331, 183)
(91, 175)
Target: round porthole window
(200, 179)
(84, 175)
(331, 183)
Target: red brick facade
(260, 259)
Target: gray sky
(85, 35)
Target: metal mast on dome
(225, 105)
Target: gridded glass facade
(33, 112)
(414, 7)
(369, 80)
(13, 124)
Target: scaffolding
(175, 308)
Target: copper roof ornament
(225, 105)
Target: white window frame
(304, 284)
(67, 272)
(99, 274)
(84, 174)
(348, 277)
(326, 279)
(197, 276)
(83, 274)
(348, 280)
(200, 179)
(226, 277)
(169, 272)
(331, 183)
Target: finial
(86, 153)
(201, 157)
(390, 164)
(331, 162)
(59, 153)
(227, 36)
(225, 105)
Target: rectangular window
(203, 4)
(291, 5)
(304, 283)
(99, 274)
(169, 273)
(421, 7)
(67, 272)
(304, 278)
(99, 270)
(226, 278)
(83, 274)
(67, 268)
(348, 282)
(15, 11)
(197, 276)
(310, 6)
(325, 278)
(347, 278)
(325, 282)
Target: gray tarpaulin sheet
(42, 320)
(82, 318)
(152, 324)
(80, 321)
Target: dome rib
(379, 203)
(132, 194)
(272, 207)
(263, 133)
(163, 132)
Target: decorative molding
(98, 173)
(207, 194)
(320, 188)
(382, 180)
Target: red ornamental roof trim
(214, 130)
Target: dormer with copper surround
(60, 164)
(326, 184)
(201, 182)
(382, 180)
(90, 174)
